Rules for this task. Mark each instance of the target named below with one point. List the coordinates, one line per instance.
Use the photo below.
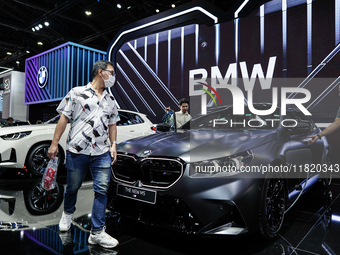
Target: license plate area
(140, 194)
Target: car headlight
(16, 136)
(230, 165)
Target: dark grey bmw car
(221, 174)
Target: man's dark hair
(100, 64)
(183, 101)
(9, 118)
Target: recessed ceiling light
(46, 24)
(128, 7)
(17, 62)
(119, 6)
(157, 10)
(37, 28)
(33, 29)
(40, 43)
(27, 51)
(88, 13)
(9, 53)
(173, 5)
(41, 26)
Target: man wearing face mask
(93, 114)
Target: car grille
(168, 212)
(151, 172)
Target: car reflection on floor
(29, 225)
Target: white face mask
(110, 82)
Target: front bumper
(8, 158)
(173, 213)
(13, 152)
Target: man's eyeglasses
(112, 72)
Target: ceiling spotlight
(40, 43)
(173, 5)
(88, 13)
(17, 62)
(157, 10)
(9, 53)
(27, 51)
(46, 24)
(40, 26)
(33, 29)
(37, 28)
(128, 7)
(119, 6)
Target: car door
(125, 128)
(139, 126)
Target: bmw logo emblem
(146, 152)
(42, 77)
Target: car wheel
(39, 201)
(273, 204)
(37, 159)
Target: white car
(26, 146)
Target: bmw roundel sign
(42, 77)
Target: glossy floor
(312, 226)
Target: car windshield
(223, 118)
(3, 123)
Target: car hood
(194, 145)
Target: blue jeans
(100, 166)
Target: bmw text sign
(42, 77)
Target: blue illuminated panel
(68, 65)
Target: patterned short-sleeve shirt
(90, 120)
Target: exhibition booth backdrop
(285, 43)
(158, 60)
(165, 57)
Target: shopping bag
(49, 178)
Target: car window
(124, 119)
(135, 118)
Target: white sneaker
(65, 222)
(103, 239)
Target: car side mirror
(302, 127)
(163, 127)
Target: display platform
(30, 226)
